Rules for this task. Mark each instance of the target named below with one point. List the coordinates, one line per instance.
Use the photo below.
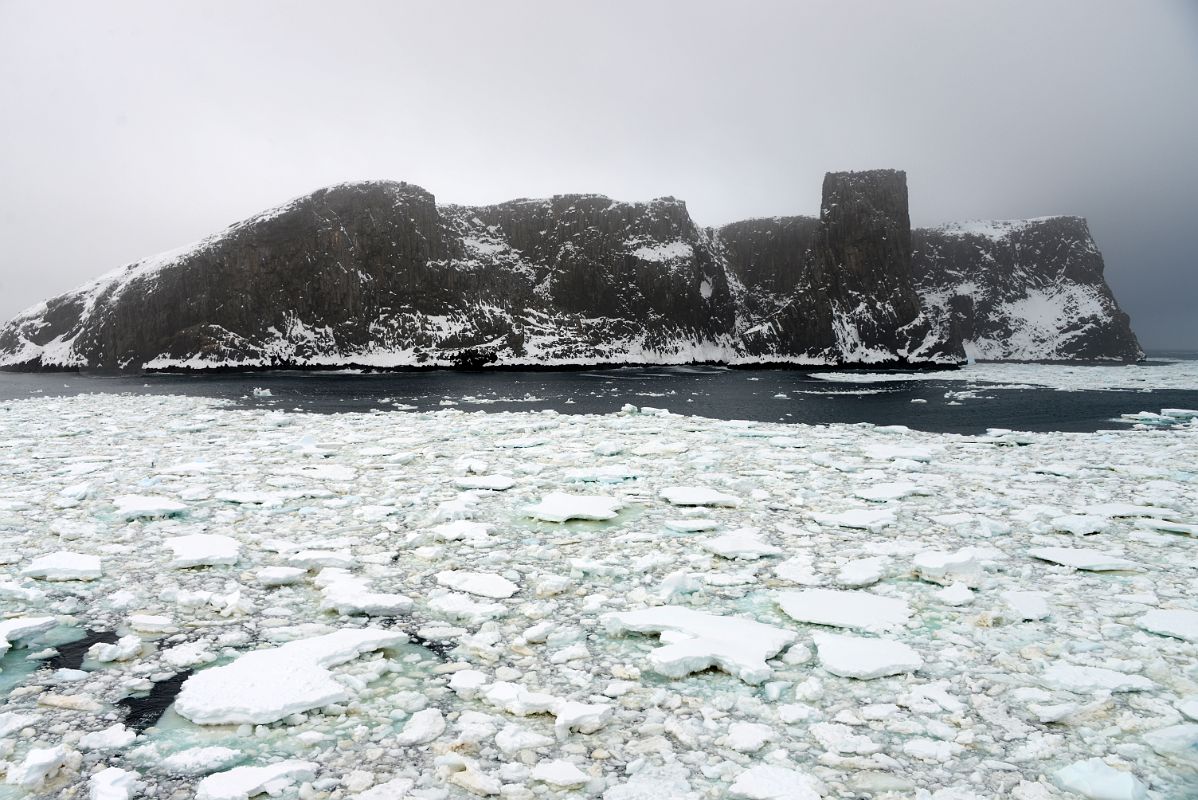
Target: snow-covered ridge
(993, 229)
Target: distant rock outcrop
(376, 274)
(1022, 290)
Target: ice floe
(698, 641)
(865, 658)
(267, 685)
(844, 609)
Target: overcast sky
(128, 128)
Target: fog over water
(135, 127)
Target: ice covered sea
(459, 602)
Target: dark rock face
(841, 283)
(1022, 290)
(377, 274)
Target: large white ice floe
(145, 506)
(1093, 778)
(65, 566)
(561, 507)
(865, 658)
(1083, 558)
(203, 550)
(265, 686)
(695, 641)
(845, 609)
(1180, 623)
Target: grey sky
(134, 127)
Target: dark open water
(704, 391)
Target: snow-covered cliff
(1030, 289)
(376, 274)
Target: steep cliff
(842, 284)
(1022, 290)
(376, 274)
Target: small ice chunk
(265, 686)
(844, 609)
(885, 492)
(560, 507)
(1095, 779)
(512, 739)
(571, 715)
(651, 782)
(1093, 679)
(13, 630)
(1080, 524)
(203, 550)
(465, 609)
(480, 583)
(1179, 623)
(744, 543)
(113, 783)
(200, 760)
(187, 655)
(945, 568)
(39, 765)
(351, 595)
(865, 658)
(64, 566)
(695, 641)
(421, 728)
(137, 506)
(241, 783)
(460, 529)
(493, 483)
(515, 699)
(559, 773)
(861, 572)
(698, 496)
(1082, 558)
(691, 525)
(749, 737)
(1026, 605)
(955, 594)
(314, 559)
(868, 519)
(123, 649)
(153, 623)
(765, 782)
(114, 737)
(11, 722)
(280, 576)
(1175, 741)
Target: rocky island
(378, 275)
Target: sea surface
(1041, 398)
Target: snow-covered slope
(1030, 289)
